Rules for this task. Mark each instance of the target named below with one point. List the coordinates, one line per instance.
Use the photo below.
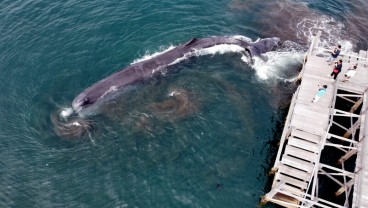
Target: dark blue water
(210, 147)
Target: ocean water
(202, 136)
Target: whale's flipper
(263, 57)
(247, 57)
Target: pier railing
(313, 45)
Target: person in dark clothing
(337, 69)
(334, 54)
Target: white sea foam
(275, 63)
(66, 112)
(243, 38)
(171, 94)
(269, 67)
(331, 29)
(150, 56)
(218, 49)
(111, 89)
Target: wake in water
(297, 22)
(276, 65)
(179, 104)
(68, 125)
(270, 65)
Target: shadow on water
(279, 122)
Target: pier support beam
(352, 129)
(273, 171)
(344, 188)
(356, 105)
(347, 156)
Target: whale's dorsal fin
(191, 41)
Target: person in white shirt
(350, 73)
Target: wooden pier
(311, 127)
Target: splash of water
(274, 63)
(217, 49)
(148, 56)
(68, 125)
(266, 68)
(66, 112)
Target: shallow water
(209, 146)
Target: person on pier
(336, 70)
(334, 54)
(320, 93)
(350, 73)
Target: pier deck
(308, 131)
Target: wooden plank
(306, 136)
(317, 77)
(302, 154)
(309, 89)
(287, 170)
(297, 163)
(293, 181)
(293, 190)
(308, 126)
(310, 85)
(318, 70)
(320, 77)
(310, 110)
(352, 87)
(315, 61)
(319, 118)
(302, 144)
(316, 122)
(323, 103)
(360, 78)
(291, 202)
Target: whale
(140, 71)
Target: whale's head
(82, 101)
(93, 97)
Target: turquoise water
(212, 147)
